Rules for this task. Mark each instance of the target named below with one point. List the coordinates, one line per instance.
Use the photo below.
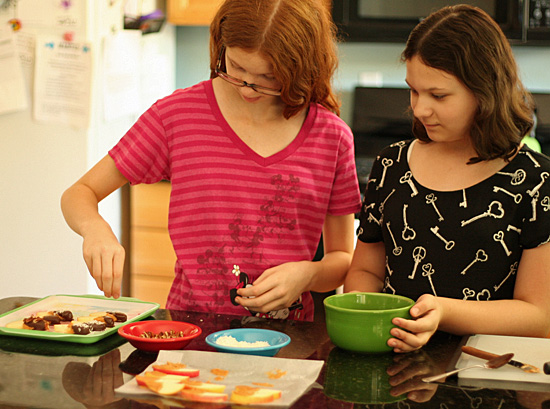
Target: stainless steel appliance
(381, 117)
(523, 21)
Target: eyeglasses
(240, 83)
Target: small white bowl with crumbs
(250, 341)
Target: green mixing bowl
(361, 322)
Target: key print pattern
(464, 244)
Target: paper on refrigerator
(13, 95)
(62, 82)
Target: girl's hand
(414, 334)
(104, 257)
(277, 288)
(406, 375)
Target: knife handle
(478, 353)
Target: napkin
(299, 374)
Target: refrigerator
(80, 81)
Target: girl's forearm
(330, 271)
(499, 317)
(362, 281)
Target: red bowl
(132, 332)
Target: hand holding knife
(488, 355)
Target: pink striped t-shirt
(231, 207)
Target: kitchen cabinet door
(192, 12)
(151, 254)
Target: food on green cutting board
(64, 322)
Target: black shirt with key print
(463, 244)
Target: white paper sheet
(13, 96)
(62, 82)
(243, 370)
(26, 45)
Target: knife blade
(488, 355)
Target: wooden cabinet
(152, 256)
(196, 12)
(192, 12)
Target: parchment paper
(243, 370)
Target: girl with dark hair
(459, 218)
(259, 162)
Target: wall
(192, 64)
(39, 254)
(37, 248)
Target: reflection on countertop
(45, 374)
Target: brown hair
(296, 36)
(465, 42)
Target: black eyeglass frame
(240, 83)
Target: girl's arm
(527, 314)
(367, 270)
(103, 254)
(280, 286)
(338, 243)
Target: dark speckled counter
(51, 374)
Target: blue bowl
(275, 339)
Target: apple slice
(15, 324)
(161, 387)
(142, 379)
(176, 369)
(196, 395)
(204, 386)
(159, 376)
(42, 314)
(85, 318)
(63, 328)
(247, 395)
(166, 376)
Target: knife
(488, 355)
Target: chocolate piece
(119, 316)
(36, 323)
(107, 319)
(64, 315)
(81, 328)
(96, 325)
(52, 319)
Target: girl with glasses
(260, 164)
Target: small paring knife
(488, 355)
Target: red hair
(296, 36)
